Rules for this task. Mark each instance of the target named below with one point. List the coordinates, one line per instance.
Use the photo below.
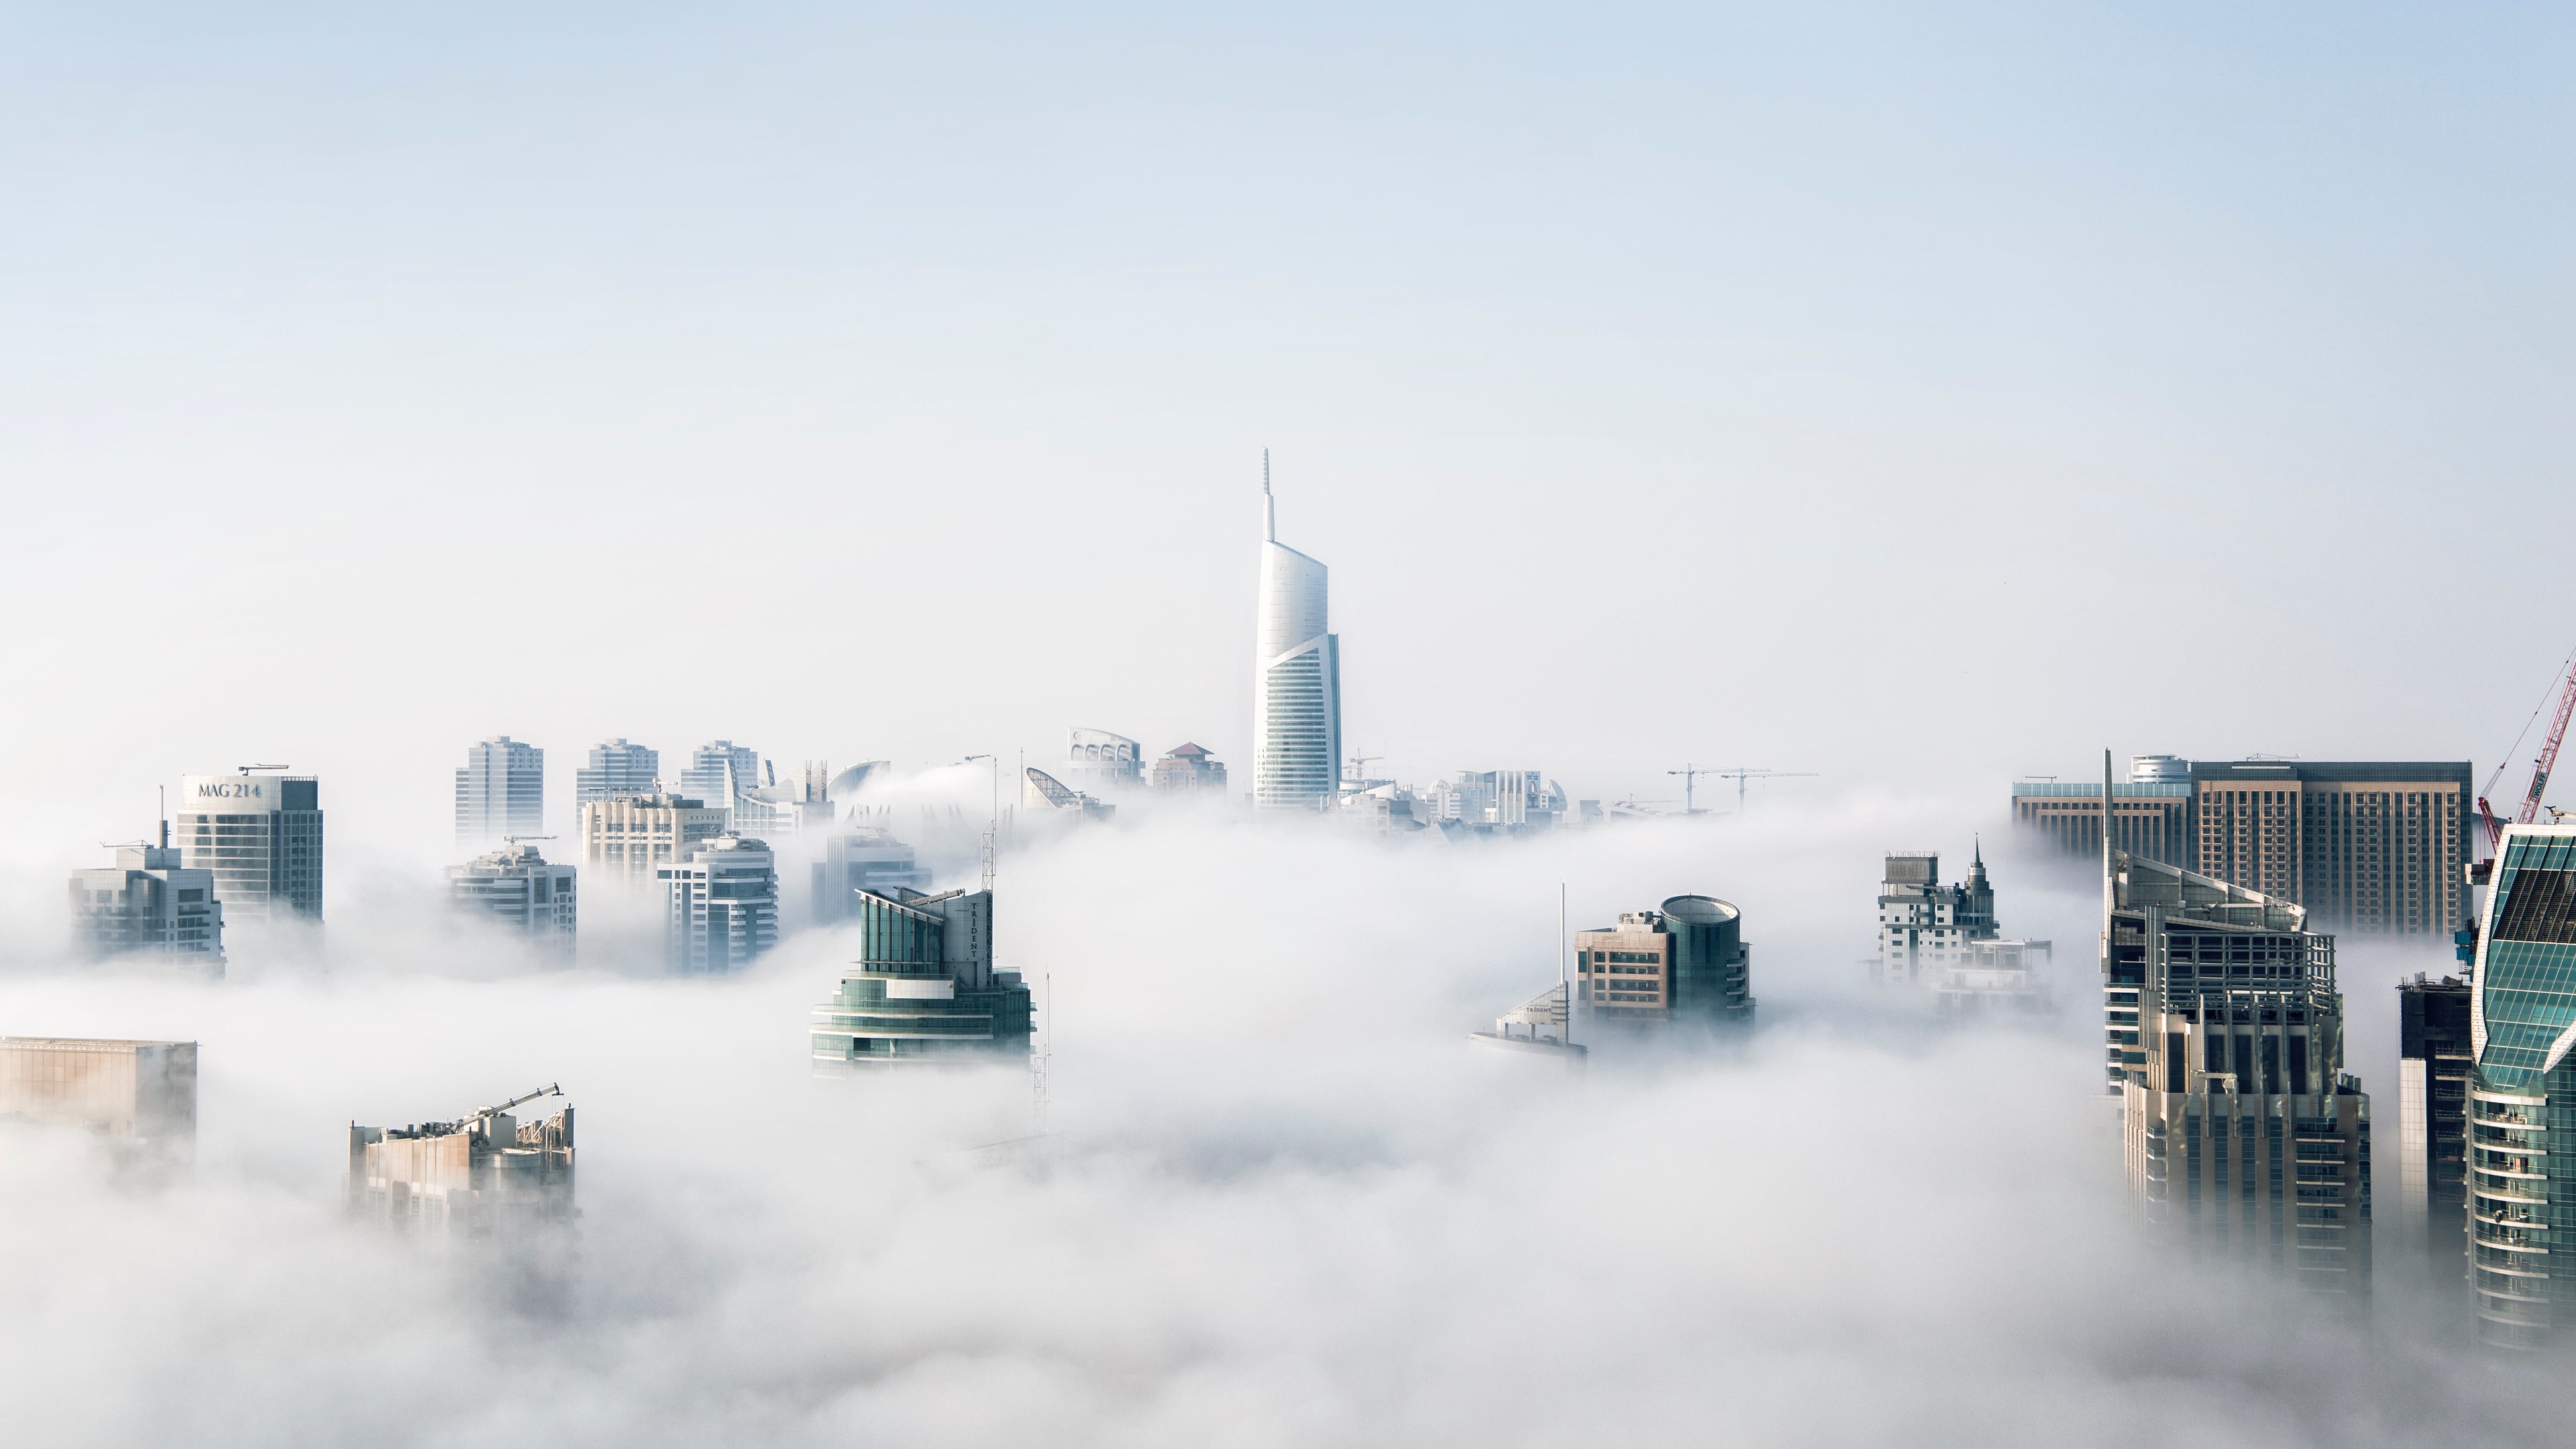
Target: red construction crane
(2540, 767)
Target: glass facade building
(2434, 1060)
(924, 990)
(720, 906)
(261, 835)
(2522, 1095)
(1686, 963)
(1297, 684)
(500, 792)
(617, 771)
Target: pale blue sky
(1889, 394)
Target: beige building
(139, 1093)
(472, 1177)
(631, 839)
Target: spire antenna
(1269, 507)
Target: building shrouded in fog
(720, 905)
(1297, 684)
(148, 902)
(142, 1095)
(2242, 1134)
(1099, 760)
(1925, 924)
(630, 839)
(2522, 1094)
(1486, 802)
(517, 885)
(261, 835)
(924, 990)
(720, 770)
(487, 1175)
(1686, 963)
(2434, 1062)
(500, 791)
(1187, 769)
(617, 771)
(868, 859)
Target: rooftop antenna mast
(1563, 987)
(1269, 507)
(993, 826)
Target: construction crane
(1690, 776)
(2540, 767)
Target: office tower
(1540, 1026)
(1994, 978)
(629, 839)
(1491, 802)
(516, 885)
(863, 859)
(2522, 1092)
(720, 906)
(2242, 1135)
(262, 837)
(1925, 924)
(484, 1177)
(1044, 794)
(617, 771)
(500, 792)
(142, 1095)
(1297, 683)
(2434, 1059)
(1686, 963)
(720, 770)
(2366, 847)
(2151, 812)
(1099, 760)
(1188, 769)
(148, 901)
(924, 990)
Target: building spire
(1269, 508)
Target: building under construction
(476, 1177)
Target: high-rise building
(1488, 802)
(773, 811)
(2522, 1092)
(500, 792)
(261, 835)
(2368, 847)
(720, 906)
(1994, 978)
(617, 771)
(1684, 964)
(629, 838)
(1297, 678)
(2243, 1136)
(1189, 768)
(148, 901)
(517, 885)
(2434, 1060)
(487, 1176)
(924, 990)
(720, 770)
(141, 1094)
(1099, 760)
(1923, 924)
(866, 858)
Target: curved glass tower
(2522, 1096)
(1297, 684)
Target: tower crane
(2540, 767)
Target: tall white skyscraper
(1297, 684)
(501, 791)
(261, 835)
(721, 770)
(617, 771)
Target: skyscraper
(1686, 963)
(629, 837)
(501, 791)
(262, 837)
(517, 885)
(2522, 1094)
(148, 901)
(617, 771)
(1923, 923)
(142, 1095)
(2433, 1064)
(720, 906)
(924, 989)
(1297, 683)
(721, 770)
(1188, 768)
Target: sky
(1919, 399)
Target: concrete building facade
(1099, 760)
(720, 906)
(148, 902)
(261, 836)
(924, 990)
(2434, 1063)
(617, 771)
(1923, 925)
(141, 1095)
(500, 791)
(479, 1177)
(519, 887)
(630, 839)
(1686, 964)
(1189, 769)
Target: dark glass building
(924, 989)
(2433, 1064)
